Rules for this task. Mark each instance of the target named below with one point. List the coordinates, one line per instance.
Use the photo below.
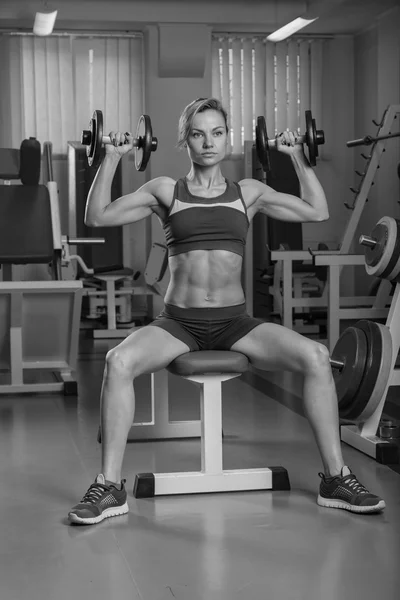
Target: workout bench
(207, 370)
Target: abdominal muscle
(205, 278)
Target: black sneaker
(102, 500)
(345, 491)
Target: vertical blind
(254, 77)
(51, 86)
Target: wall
(377, 77)
(165, 99)
(120, 14)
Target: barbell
(144, 142)
(312, 138)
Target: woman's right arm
(100, 211)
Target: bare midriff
(205, 278)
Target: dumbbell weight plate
(145, 136)
(262, 148)
(93, 150)
(311, 139)
(351, 348)
(316, 139)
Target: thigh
(149, 349)
(273, 347)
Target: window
(52, 85)
(253, 77)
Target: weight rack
(362, 436)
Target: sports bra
(197, 223)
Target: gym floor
(240, 546)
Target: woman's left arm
(310, 206)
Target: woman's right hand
(121, 143)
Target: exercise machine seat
(209, 361)
(26, 234)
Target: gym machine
(39, 324)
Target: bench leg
(212, 477)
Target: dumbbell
(312, 139)
(144, 142)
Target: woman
(205, 218)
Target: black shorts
(206, 328)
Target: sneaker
(102, 500)
(345, 491)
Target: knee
(317, 357)
(120, 364)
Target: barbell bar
(337, 364)
(368, 140)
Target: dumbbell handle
(86, 139)
(366, 240)
(106, 140)
(302, 139)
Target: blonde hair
(191, 110)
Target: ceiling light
(44, 23)
(290, 28)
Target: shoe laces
(94, 493)
(355, 485)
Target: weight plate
(377, 371)
(320, 136)
(315, 138)
(374, 254)
(94, 150)
(262, 147)
(310, 139)
(390, 225)
(385, 368)
(144, 136)
(393, 267)
(90, 137)
(351, 349)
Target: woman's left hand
(286, 143)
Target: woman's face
(207, 139)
